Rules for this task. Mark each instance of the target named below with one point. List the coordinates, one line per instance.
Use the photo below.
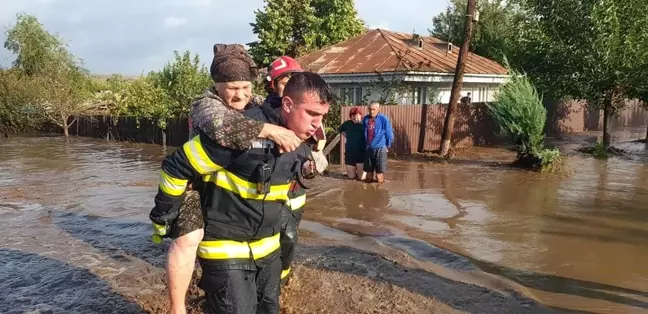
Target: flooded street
(74, 216)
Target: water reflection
(552, 234)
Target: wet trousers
(238, 291)
(288, 239)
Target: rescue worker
(217, 114)
(279, 73)
(243, 193)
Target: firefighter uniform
(244, 194)
(290, 218)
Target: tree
(592, 50)
(495, 33)
(57, 77)
(65, 92)
(35, 48)
(521, 115)
(338, 21)
(18, 98)
(182, 80)
(294, 28)
(448, 125)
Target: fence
(130, 129)
(473, 126)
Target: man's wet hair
(308, 82)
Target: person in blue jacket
(379, 136)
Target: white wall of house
(418, 93)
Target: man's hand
(286, 139)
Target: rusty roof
(381, 50)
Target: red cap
(282, 66)
(354, 111)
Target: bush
(520, 114)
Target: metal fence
(417, 128)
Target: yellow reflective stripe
(198, 157)
(285, 272)
(297, 202)
(226, 249)
(246, 189)
(159, 229)
(171, 185)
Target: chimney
(420, 43)
(449, 47)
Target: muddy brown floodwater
(436, 238)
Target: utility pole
(448, 126)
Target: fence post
(423, 126)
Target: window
(415, 96)
(351, 95)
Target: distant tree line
(46, 83)
(596, 50)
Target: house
(401, 68)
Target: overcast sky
(135, 36)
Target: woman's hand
(286, 139)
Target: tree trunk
(65, 125)
(164, 140)
(646, 135)
(448, 126)
(607, 107)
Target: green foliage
(332, 119)
(294, 28)
(160, 95)
(18, 102)
(599, 151)
(495, 33)
(337, 21)
(57, 84)
(34, 47)
(520, 114)
(592, 50)
(182, 81)
(139, 98)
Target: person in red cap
(279, 72)
(354, 148)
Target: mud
(437, 237)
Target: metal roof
(381, 50)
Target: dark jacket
(240, 203)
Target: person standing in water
(355, 145)
(379, 136)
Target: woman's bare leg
(181, 261)
(351, 172)
(359, 170)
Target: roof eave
(414, 77)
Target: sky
(137, 36)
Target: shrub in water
(520, 114)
